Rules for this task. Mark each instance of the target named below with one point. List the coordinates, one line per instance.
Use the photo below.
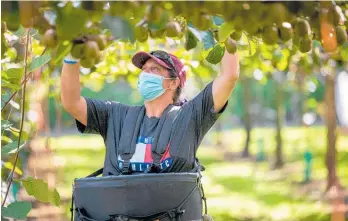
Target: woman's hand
(223, 85)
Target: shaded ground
(236, 189)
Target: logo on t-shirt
(142, 158)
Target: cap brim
(140, 58)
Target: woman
(161, 136)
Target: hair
(178, 89)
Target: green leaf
(16, 210)
(208, 39)
(6, 139)
(70, 21)
(216, 54)
(225, 30)
(39, 189)
(7, 84)
(191, 40)
(63, 49)
(38, 62)
(119, 27)
(11, 148)
(4, 98)
(20, 32)
(218, 20)
(14, 75)
(5, 124)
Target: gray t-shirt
(191, 123)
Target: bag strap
(96, 173)
(129, 136)
(162, 137)
(160, 142)
(198, 169)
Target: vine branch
(22, 117)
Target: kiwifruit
(231, 45)
(270, 34)
(277, 12)
(154, 13)
(87, 62)
(341, 35)
(50, 38)
(157, 33)
(98, 58)
(205, 22)
(285, 31)
(236, 35)
(337, 13)
(91, 49)
(201, 21)
(296, 40)
(3, 27)
(141, 33)
(305, 44)
(101, 41)
(302, 28)
(78, 50)
(173, 29)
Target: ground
(237, 189)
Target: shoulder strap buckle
(126, 167)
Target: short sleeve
(203, 107)
(98, 113)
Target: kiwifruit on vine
(141, 33)
(270, 34)
(305, 44)
(173, 29)
(100, 40)
(285, 32)
(296, 23)
(50, 38)
(302, 28)
(231, 45)
(78, 50)
(341, 35)
(236, 35)
(154, 33)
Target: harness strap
(96, 173)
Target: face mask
(150, 86)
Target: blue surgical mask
(150, 85)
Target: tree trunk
(279, 123)
(219, 138)
(301, 96)
(246, 115)
(331, 154)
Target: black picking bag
(140, 197)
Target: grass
(237, 190)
